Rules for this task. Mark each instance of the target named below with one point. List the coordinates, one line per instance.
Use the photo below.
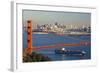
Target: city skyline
(50, 17)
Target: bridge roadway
(61, 45)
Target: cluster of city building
(59, 28)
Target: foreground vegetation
(34, 57)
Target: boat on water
(70, 52)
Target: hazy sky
(50, 17)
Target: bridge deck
(61, 45)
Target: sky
(50, 17)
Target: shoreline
(72, 34)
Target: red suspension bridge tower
(29, 36)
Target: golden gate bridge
(31, 48)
